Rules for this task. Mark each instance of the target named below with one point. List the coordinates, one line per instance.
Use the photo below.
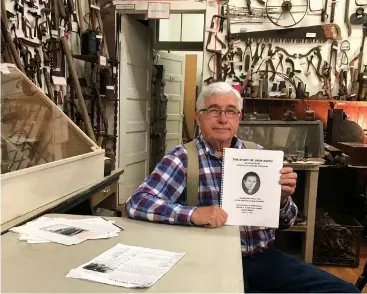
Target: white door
(174, 76)
(135, 91)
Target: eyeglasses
(215, 112)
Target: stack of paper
(127, 266)
(66, 231)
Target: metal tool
(248, 4)
(362, 92)
(311, 34)
(359, 17)
(333, 53)
(346, 18)
(310, 63)
(344, 47)
(364, 28)
(324, 14)
(332, 14)
(286, 7)
(280, 63)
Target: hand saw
(310, 34)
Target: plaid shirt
(162, 196)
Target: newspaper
(66, 231)
(128, 266)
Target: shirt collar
(236, 143)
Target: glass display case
(44, 155)
(294, 138)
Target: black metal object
(286, 7)
(337, 240)
(158, 117)
(309, 34)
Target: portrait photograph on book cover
(251, 183)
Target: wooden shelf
(297, 228)
(340, 102)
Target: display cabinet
(298, 139)
(44, 155)
(294, 138)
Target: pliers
(280, 62)
(310, 63)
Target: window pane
(170, 29)
(192, 27)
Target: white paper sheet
(128, 266)
(66, 231)
(250, 187)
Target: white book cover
(251, 190)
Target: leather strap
(192, 175)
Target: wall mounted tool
(346, 18)
(286, 8)
(311, 34)
(359, 17)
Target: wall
(182, 27)
(313, 84)
(356, 112)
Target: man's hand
(209, 216)
(288, 180)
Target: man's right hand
(209, 216)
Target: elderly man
(163, 198)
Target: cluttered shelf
(350, 103)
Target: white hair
(218, 88)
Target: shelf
(340, 102)
(297, 228)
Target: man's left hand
(288, 180)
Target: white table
(212, 262)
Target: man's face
(250, 182)
(221, 128)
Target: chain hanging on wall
(288, 11)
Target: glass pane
(34, 130)
(192, 27)
(170, 29)
(292, 139)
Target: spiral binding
(221, 181)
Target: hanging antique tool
(362, 92)
(317, 52)
(343, 78)
(324, 14)
(287, 8)
(8, 39)
(346, 18)
(311, 34)
(77, 89)
(364, 28)
(332, 14)
(333, 54)
(359, 17)
(344, 48)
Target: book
(250, 191)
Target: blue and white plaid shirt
(162, 195)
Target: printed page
(128, 266)
(250, 188)
(66, 231)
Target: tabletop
(212, 261)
